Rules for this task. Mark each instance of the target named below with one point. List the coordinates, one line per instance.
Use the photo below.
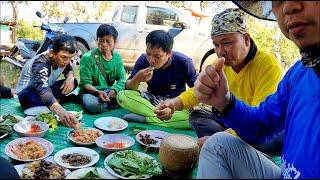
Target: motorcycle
(26, 49)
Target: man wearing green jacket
(98, 91)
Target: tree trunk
(14, 5)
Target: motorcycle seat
(27, 41)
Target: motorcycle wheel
(76, 59)
(15, 58)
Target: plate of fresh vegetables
(90, 173)
(6, 123)
(48, 118)
(137, 165)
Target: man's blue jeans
(93, 104)
(30, 98)
(203, 123)
(224, 156)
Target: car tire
(207, 59)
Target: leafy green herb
(134, 130)
(128, 164)
(147, 148)
(9, 120)
(7, 123)
(91, 175)
(78, 114)
(48, 118)
(6, 129)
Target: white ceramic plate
(111, 138)
(73, 112)
(33, 111)
(78, 174)
(81, 143)
(104, 122)
(20, 167)
(81, 150)
(29, 118)
(45, 143)
(154, 134)
(142, 155)
(21, 128)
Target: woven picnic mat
(59, 137)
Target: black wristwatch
(227, 109)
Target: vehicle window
(161, 16)
(129, 14)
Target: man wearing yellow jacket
(252, 75)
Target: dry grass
(9, 74)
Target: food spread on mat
(29, 150)
(48, 118)
(128, 164)
(91, 175)
(33, 128)
(43, 170)
(147, 140)
(85, 135)
(115, 124)
(76, 159)
(78, 114)
(114, 145)
(135, 130)
(6, 123)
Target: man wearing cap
(294, 107)
(253, 74)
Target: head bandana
(231, 20)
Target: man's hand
(211, 86)
(165, 109)
(67, 85)
(112, 94)
(103, 97)
(145, 75)
(68, 119)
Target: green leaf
(78, 114)
(134, 130)
(48, 118)
(130, 163)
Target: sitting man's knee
(219, 138)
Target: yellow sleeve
(233, 133)
(189, 99)
(268, 79)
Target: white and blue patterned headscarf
(231, 20)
